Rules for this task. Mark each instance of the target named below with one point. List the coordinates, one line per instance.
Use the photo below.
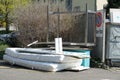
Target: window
(53, 1)
(77, 8)
(44, 1)
(69, 5)
(61, 0)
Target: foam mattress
(44, 51)
(47, 66)
(43, 57)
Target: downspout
(95, 5)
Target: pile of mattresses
(42, 59)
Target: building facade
(79, 5)
(91, 4)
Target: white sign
(115, 15)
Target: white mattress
(44, 51)
(47, 66)
(35, 57)
(44, 57)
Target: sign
(115, 16)
(98, 19)
(99, 23)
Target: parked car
(10, 38)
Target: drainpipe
(95, 5)
(104, 37)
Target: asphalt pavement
(10, 72)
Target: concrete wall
(100, 4)
(92, 4)
(82, 4)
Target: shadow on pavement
(6, 65)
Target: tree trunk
(7, 19)
(7, 23)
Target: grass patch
(3, 46)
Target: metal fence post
(58, 26)
(86, 29)
(47, 23)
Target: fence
(78, 30)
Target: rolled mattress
(41, 56)
(47, 66)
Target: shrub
(31, 21)
(3, 46)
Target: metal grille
(113, 42)
(73, 27)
